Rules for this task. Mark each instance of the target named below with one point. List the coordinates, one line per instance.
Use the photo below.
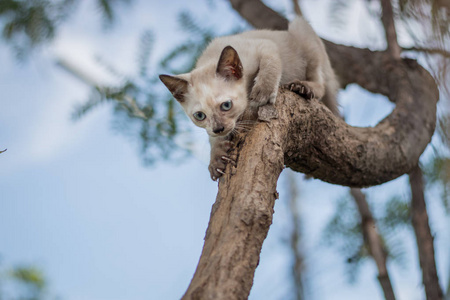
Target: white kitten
(238, 71)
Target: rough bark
(240, 217)
(337, 153)
(307, 137)
(424, 238)
(374, 242)
(242, 214)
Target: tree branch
(259, 15)
(240, 218)
(335, 152)
(437, 51)
(387, 18)
(307, 137)
(423, 236)
(373, 240)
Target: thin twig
(374, 243)
(297, 8)
(298, 266)
(438, 51)
(387, 18)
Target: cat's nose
(218, 129)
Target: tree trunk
(424, 238)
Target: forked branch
(307, 137)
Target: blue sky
(76, 201)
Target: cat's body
(238, 71)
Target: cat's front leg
(267, 80)
(220, 157)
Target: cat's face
(213, 101)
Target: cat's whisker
(238, 129)
(244, 126)
(246, 121)
(247, 125)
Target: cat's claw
(220, 158)
(229, 160)
(301, 88)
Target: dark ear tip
(228, 48)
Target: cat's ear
(176, 85)
(229, 66)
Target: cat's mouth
(225, 132)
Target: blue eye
(225, 106)
(200, 115)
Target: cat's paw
(220, 158)
(301, 88)
(262, 95)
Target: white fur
(269, 58)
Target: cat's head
(213, 96)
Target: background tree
(153, 118)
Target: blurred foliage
(139, 107)
(437, 173)
(23, 283)
(108, 9)
(344, 229)
(397, 213)
(28, 24)
(182, 58)
(141, 111)
(344, 232)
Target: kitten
(245, 70)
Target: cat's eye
(226, 105)
(200, 116)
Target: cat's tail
(299, 27)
